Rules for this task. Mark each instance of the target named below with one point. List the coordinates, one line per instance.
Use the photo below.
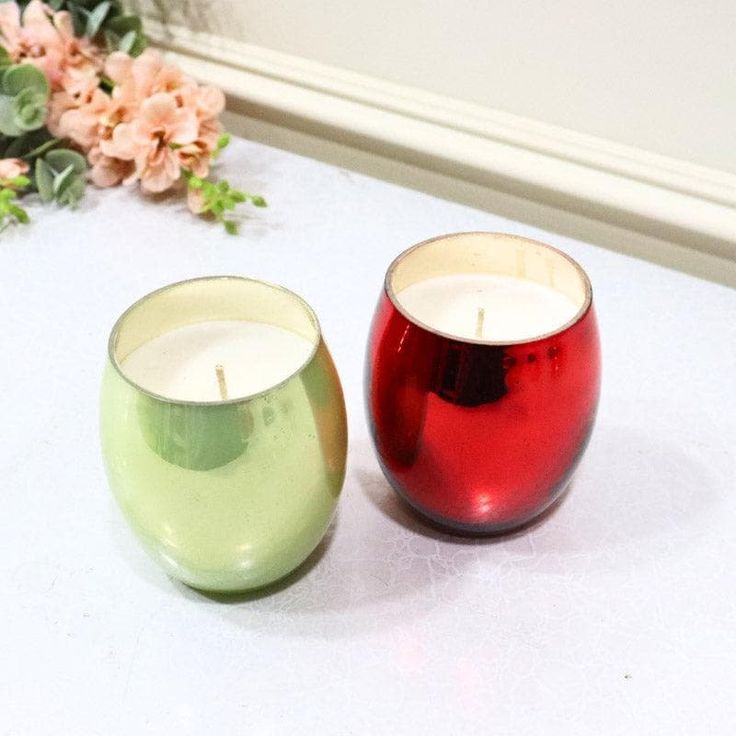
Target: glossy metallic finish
(480, 437)
(231, 495)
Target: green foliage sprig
(10, 210)
(218, 199)
(55, 171)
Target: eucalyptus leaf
(116, 10)
(96, 18)
(20, 77)
(44, 180)
(15, 148)
(124, 24)
(41, 149)
(18, 146)
(29, 109)
(127, 41)
(92, 4)
(79, 18)
(141, 42)
(7, 117)
(29, 145)
(60, 158)
(73, 193)
(112, 41)
(62, 180)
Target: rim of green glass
(491, 236)
(116, 329)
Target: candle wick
(220, 372)
(479, 323)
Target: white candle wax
(484, 306)
(183, 364)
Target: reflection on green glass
(228, 496)
(192, 436)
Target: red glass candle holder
(482, 435)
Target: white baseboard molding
(632, 190)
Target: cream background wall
(658, 75)
(609, 122)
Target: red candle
(483, 377)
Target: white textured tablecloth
(617, 615)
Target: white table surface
(617, 615)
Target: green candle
(234, 489)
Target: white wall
(658, 74)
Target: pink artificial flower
(145, 76)
(45, 39)
(207, 102)
(84, 113)
(83, 121)
(197, 155)
(150, 139)
(80, 53)
(117, 66)
(107, 171)
(12, 167)
(139, 79)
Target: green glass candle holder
(234, 494)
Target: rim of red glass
(490, 237)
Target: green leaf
(96, 18)
(21, 77)
(59, 176)
(29, 109)
(116, 9)
(79, 18)
(60, 158)
(30, 145)
(44, 180)
(124, 24)
(41, 149)
(19, 213)
(17, 146)
(90, 5)
(112, 41)
(126, 42)
(73, 193)
(5, 60)
(258, 201)
(62, 180)
(7, 117)
(139, 45)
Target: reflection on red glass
(477, 437)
